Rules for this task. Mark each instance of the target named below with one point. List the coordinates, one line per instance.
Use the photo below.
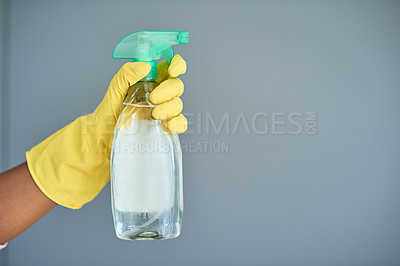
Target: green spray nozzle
(149, 46)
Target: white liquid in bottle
(142, 167)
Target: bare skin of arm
(22, 203)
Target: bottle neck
(153, 71)
(147, 79)
(140, 92)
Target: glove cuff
(69, 167)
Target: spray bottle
(146, 157)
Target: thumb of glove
(129, 74)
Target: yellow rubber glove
(72, 166)
(167, 94)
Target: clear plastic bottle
(146, 171)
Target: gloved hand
(167, 94)
(72, 166)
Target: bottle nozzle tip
(183, 37)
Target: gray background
(326, 199)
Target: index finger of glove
(176, 68)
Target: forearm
(22, 203)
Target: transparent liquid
(149, 226)
(146, 177)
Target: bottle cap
(149, 46)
